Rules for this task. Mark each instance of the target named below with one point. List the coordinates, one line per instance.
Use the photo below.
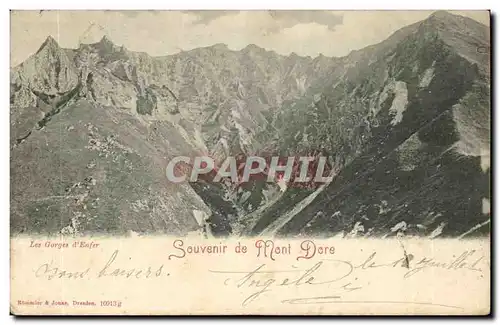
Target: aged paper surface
(250, 162)
(143, 276)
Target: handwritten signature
(111, 269)
(340, 278)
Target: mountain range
(405, 124)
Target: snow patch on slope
(400, 101)
(485, 161)
(474, 137)
(486, 206)
(200, 217)
(427, 77)
(438, 231)
(409, 153)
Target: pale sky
(331, 33)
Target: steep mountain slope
(408, 129)
(95, 170)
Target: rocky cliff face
(48, 72)
(405, 124)
(215, 100)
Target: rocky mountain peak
(50, 43)
(49, 71)
(252, 48)
(446, 21)
(467, 37)
(443, 15)
(105, 40)
(50, 40)
(105, 44)
(220, 47)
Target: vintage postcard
(250, 162)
